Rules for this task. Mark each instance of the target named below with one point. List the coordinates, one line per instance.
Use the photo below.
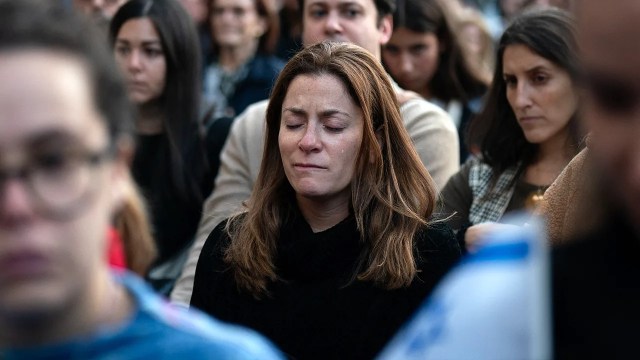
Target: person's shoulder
(266, 65)
(419, 110)
(175, 332)
(436, 233)
(436, 240)
(254, 112)
(436, 251)
(252, 120)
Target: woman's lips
(530, 118)
(137, 85)
(308, 166)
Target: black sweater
(596, 294)
(315, 312)
(175, 217)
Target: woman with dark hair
(337, 249)
(245, 35)
(156, 46)
(527, 130)
(423, 55)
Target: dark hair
(180, 100)
(50, 26)
(268, 11)
(549, 33)
(384, 7)
(454, 78)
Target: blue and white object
(494, 305)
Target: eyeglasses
(612, 94)
(59, 183)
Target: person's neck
(425, 93)
(103, 303)
(321, 214)
(230, 58)
(149, 120)
(552, 157)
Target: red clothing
(115, 250)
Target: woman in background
(245, 35)
(156, 46)
(424, 56)
(527, 131)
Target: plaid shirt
(490, 198)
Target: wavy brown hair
(392, 194)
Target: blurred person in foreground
(595, 276)
(596, 287)
(368, 24)
(337, 249)
(65, 140)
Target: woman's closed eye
(334, 129)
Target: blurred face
(236, 23)
(320, 135)
(51, 138)
(412, 58)
(471, 39)
(608, 33)
(511, 8)
(354, 21)
(139, 53)
(99, 8)
(198, 9)
(541, 94)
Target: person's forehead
(42, 89)
(364, 3)
(608, 34)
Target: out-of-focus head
(198, 9)
(608, 38)
(475, 38)
(353, 136)
(366, 23)
(98, 9)
(65, 130)
(236, 23)
(421, 33)
(510, 8)
(157, 48)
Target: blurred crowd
(319, 179)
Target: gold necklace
(535, 198)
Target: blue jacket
(157, 330)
